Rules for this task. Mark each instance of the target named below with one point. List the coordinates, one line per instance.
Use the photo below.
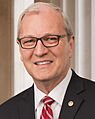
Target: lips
(45, 62)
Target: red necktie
(47, 111)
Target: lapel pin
(70, 103)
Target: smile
(43, 62)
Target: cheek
(63, 55)
(62, 51)
(26, 54)
(60, 56)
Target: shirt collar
(60, 89)
(38, 96)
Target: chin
(42, 77)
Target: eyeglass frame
(41, 39)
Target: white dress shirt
(57, 94)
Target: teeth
(42, 62)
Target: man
(46, 44)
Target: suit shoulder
(89, 84)
(10, 109)
(13, 101)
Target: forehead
(44, 17)
(44, 10)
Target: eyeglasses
(29, 42)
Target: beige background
(5, 49)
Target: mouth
(43, 62)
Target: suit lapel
(26, 107)
(73, 98)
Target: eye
(28, 41)
(51, 38)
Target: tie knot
(47, 100)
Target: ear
(19, 50)
(21, 58)
(71, 46)
(17, 41)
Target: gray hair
(35, 9)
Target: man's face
(46, 64)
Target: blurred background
(13, 76)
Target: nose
(40, 50)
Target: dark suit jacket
(80, 91)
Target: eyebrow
(41, 36)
